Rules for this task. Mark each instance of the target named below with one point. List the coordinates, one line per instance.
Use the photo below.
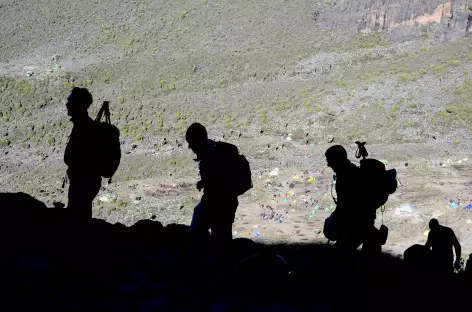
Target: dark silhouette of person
(441, 241)
(468, 267)
(217, 208)
(354, 220)
(80, 155)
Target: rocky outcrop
(451, 19)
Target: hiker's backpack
(108, 143)
(378, 182)
(240, 181)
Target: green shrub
(106, 78)
(138, 137)
(223, 83)
(26, 88)
(443, 113)
(395, 108)
(51, 141)
(404, 77)
(263, 115)
(342, 83)
(41, 104)
(454, 63)
(183, 14)
(4, 142)
(439, 69)
(424, 32)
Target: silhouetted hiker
(93, 151)
(225, 174)
(80, 155)
(441, 240)
(352, 223)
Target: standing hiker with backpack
(225, 174)
(92, 152)
(360, 192)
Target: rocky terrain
(281, 79)
(51, 262)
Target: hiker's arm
(200, 185)
(428, 242)
(457, 248)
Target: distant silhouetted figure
(354, 222)
(225, 174)
(80, 155)
(441, 240)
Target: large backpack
(378, 182)
(240, 180)
(108, 139)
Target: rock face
(449, 19)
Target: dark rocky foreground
(52, 263)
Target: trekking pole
(382, 209)
(361, 150)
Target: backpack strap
(332, 185)
(104, 110)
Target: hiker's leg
(198, 232)
(222, 230)
(82, 192)
(94, 188)
(222, 235)
(77, 199)
(346, 248)
(371, 248)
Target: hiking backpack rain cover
(108, 143)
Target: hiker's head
(433, 224)
(336, 156)
(78, 101)
(196, 137)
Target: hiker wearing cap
(80, 155)
(225, 174)
(441, 240)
